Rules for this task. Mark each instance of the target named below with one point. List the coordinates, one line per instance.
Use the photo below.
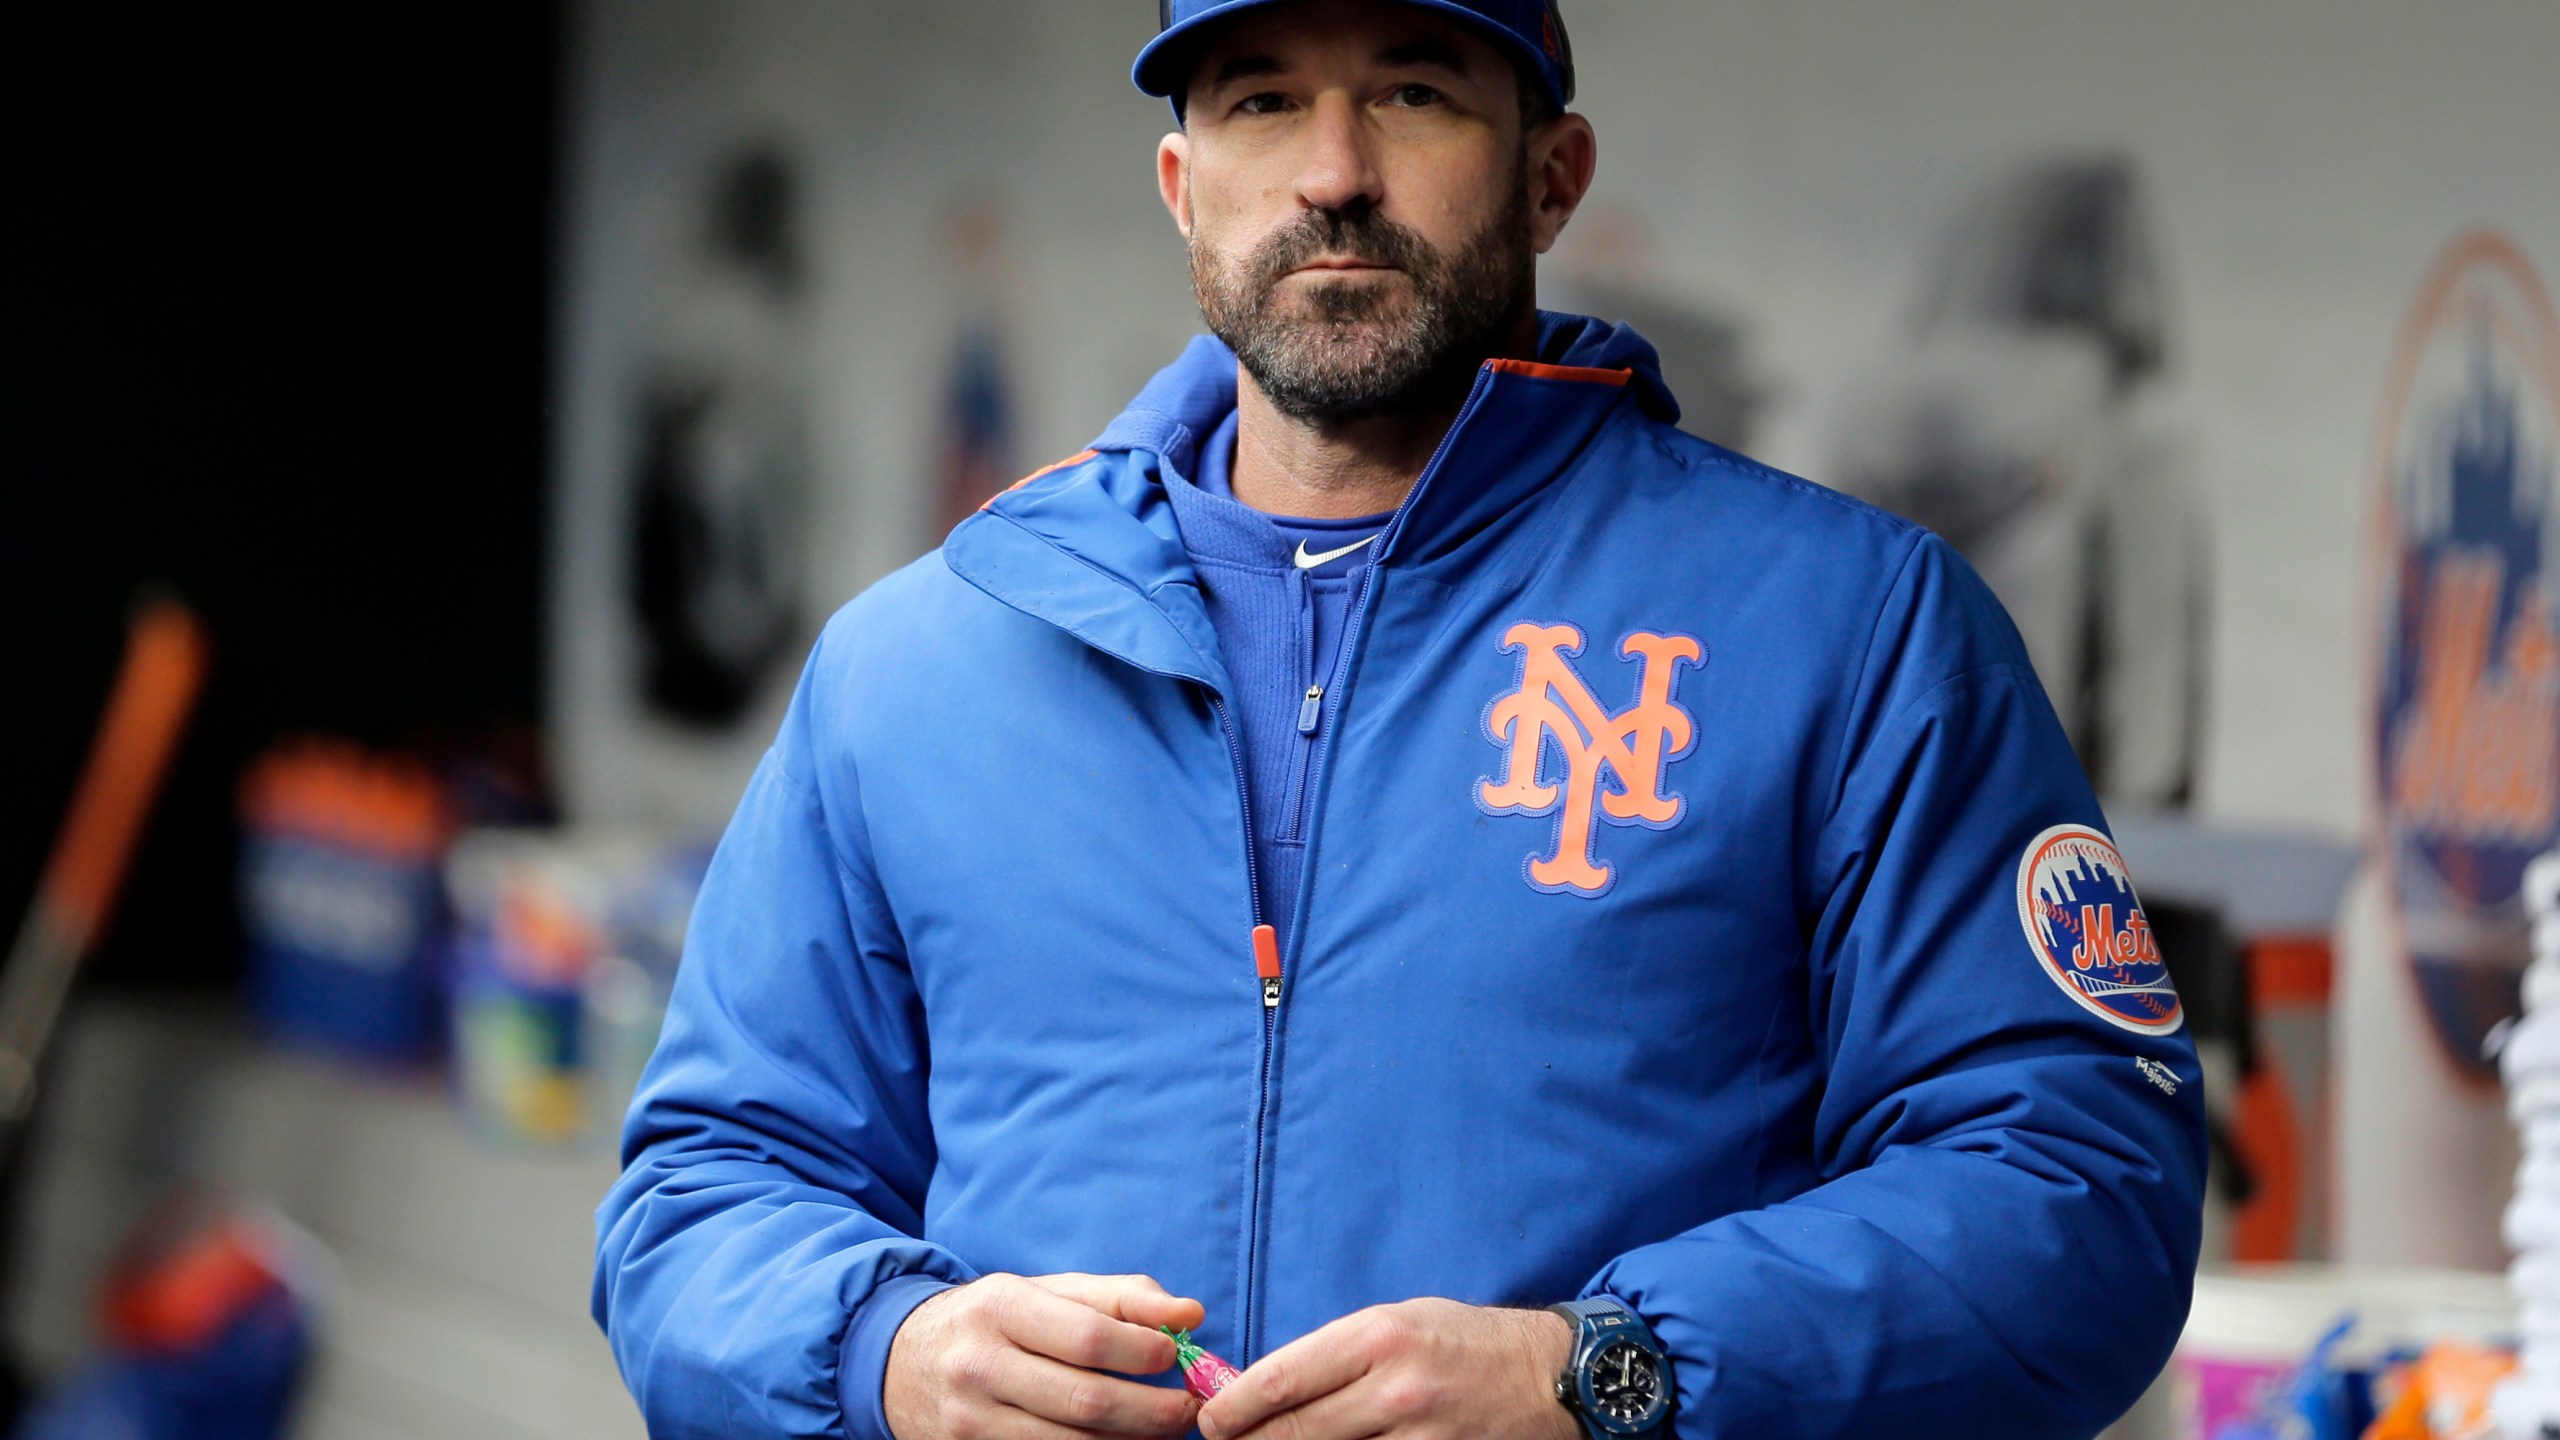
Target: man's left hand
(1419, 1370)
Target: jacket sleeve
(762, 1245)
(2007, 1227)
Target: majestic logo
(1552, 718)
(2466, 615)
(2084, 924)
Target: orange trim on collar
(1053, 468)
(1584, 374)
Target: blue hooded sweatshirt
(1699, 904)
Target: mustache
(1360, 234)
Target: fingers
(1137, 1299)
(1003, 1358)
(1300, 1373)
(1084, 1401)
(1357, 1411)
(1003, 1422)
(1039, 1319)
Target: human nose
(1336, 169)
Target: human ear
(1173, 179)
(1562, 156)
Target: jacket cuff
(863, 1367)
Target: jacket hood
(1092, 545)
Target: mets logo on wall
(2465, 616)
(1568, 756)
(2076, 900)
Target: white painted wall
(1792, 157)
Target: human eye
(1267, 102)
(1415, 96)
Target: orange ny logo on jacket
(1632, 747)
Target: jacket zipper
(1319, 714)
(1266, 964)
(1310, 712)
(1244, 801)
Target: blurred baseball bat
(164, 664)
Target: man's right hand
(1009, 1357)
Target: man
(1393, 836)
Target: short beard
(1355, 350)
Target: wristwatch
(1618, 1382)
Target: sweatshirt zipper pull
(1266, 963)
(1310, 710)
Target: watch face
(1625, 1384)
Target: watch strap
(1597, 1307)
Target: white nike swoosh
(1309, 562)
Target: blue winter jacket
(1702, 906)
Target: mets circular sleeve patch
(2076, 900)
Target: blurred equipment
(2529, 1408)
(2014, 426)
(339, 868)
(164, 664)
(565, 950)
(977, 394)
(208, 1329)
(720, 501)
(2320, 1400)
(2444, 1394)
(2304, 1352)
(2463, 696)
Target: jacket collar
(1094, 549)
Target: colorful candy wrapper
(1203, 1374)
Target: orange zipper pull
(1266, 963)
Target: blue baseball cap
(1530, 28)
